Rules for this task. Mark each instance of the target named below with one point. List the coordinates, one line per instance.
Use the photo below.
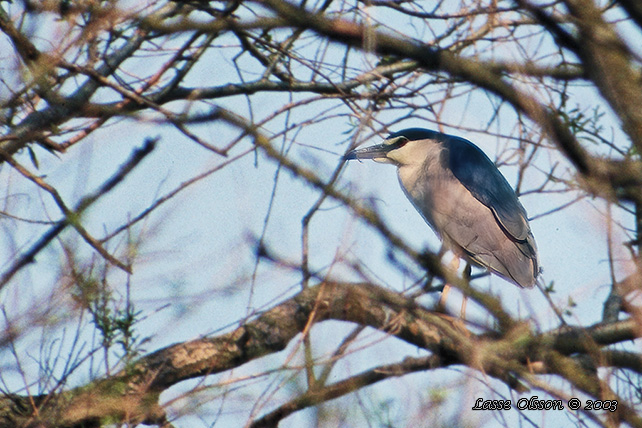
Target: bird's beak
(378, 153)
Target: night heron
(464, 198)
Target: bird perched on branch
(464, 198)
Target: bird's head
(400, 148)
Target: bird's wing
(482, 178)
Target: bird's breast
(433, 190)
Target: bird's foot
(394, 324)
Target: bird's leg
(444, 296)
(444, 293)
(467, 271)
(428, 287)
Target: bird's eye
(402, 141)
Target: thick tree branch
(139, 385)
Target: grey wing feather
(516, 260)
(469, 225)
(484, 181)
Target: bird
(464, 198)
